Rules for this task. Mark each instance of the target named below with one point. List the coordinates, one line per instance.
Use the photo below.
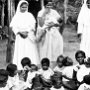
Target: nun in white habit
(23, 26)
(84, 27)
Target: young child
(26, 64)
(86, 83)
(3, 79)
(60, 65)
(13, 79)
(31, 74)
(46, 72)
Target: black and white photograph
(44, 45)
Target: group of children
(65, 75)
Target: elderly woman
(50, 40)
(23, 26)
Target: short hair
(61, 56)
(26, 61)
(11, 68)
(86, 79)
(45, 61)
(78, 52)
(3, 75)
(67, 61)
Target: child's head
(3, 77)
(34, 67)
(67, 61)
(80, 56)
(12, 69)
(45, 63)
(86, 79)
(26, 63)
(60, 60)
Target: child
(26, 64)
(3, 80)
(60, 65)
(84, 70)
(86, 83)
(13, 79)
(31, 74)
(80, 58)
(46, 72)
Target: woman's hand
(23, 34)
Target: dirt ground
(71, 45)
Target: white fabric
(46, 73)
(51, 45)
(84, 28)
(68, 72)
(82, 72)
(84, 87)
(24, 47)
(5, 88)
(58, 69)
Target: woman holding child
(23, 26)
(50, 41)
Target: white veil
(82, 13)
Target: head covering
(83, 13)
(19, 4)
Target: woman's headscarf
(82, 13)
(19, 4)
(22, 20)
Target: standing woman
(23, 26)
(84, 27)
(50, 40)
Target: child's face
(45, 67)
(80, 58)
(60, 64)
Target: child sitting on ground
(3, 80)
(31, 74)
(46, 72)
(60, 66)
(26, 64)
(13, 79)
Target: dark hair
(45, 61)
(86, 79)
(67, 61)
(61, 56)
(3, 75)
(26, 61)
(78, 52)
(11, 68)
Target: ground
(71, 45)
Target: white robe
(51, 45)
(24, 47)
(84, 28)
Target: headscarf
(22, 21)
(19, 4)
(83, 13)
